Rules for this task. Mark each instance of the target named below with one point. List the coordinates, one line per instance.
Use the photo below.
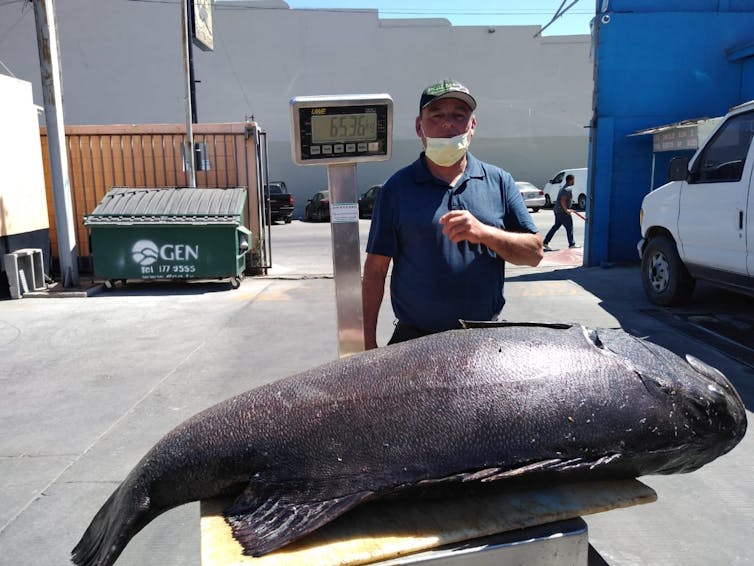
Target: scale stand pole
(346, 257)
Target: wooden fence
(106, 156)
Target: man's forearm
(372, 291)
(515, 247)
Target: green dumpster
(169, 233)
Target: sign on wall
(676, 139)
(202, 11)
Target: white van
(579, 187)
(700, 225)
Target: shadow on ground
(178, 287)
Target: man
(561, 208)
(448, 222)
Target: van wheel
(548, 202)
(582, 202)
(666, 280)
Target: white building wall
(122, 63)
(23, 205)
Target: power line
(225, 50)
(24, 11)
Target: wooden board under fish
(386, 529)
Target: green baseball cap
(446, 89)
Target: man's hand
(516, 248)
(460, 225)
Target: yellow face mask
(447, 151)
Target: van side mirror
(678, 169)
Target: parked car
(578, 189)
(534, 198)
(318, 207)
(279, 202)
(366, 202)
(700, 225)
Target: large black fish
(461, 406)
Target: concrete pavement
(90, 383)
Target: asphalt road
(304, 248)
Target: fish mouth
(715, 375)
(719, 403)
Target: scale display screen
(341, 129)
(344, 127)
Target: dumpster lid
(169, 205)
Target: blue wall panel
(600, 180)
(747, 77)
(656, 63)
(677, 5)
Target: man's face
(445, 118)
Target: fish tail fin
(120, 518)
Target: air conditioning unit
(25, 271)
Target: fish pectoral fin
(555, 465)
(541, 466)
(266, 521)
(493, 474)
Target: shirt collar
(474, 170)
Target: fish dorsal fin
(506, 324)
(263, 520)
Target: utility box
(169, 233)
(25, 271)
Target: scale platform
(535, 525)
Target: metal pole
(344, 224)
(186, 37)
(192, 78)
(49, 63)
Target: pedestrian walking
(561, 208)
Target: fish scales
(462, 406)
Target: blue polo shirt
(434, 281)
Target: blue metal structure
(655, 63)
